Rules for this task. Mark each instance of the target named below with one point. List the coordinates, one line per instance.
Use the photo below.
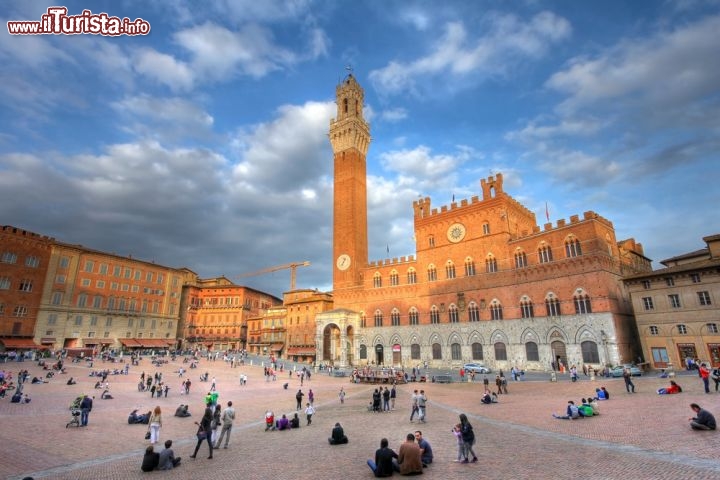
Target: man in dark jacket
(338, 435)
(85, 408)
(383, 465)
(703, 420)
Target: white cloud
(164, 69)
(421, 169)
(534, 130)
(394, 114)
(507, 41)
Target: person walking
(309, 410)
(422, 405)
(393, 394)
(341, 395)
(468, 437)
(227, 418)
(298, 398)
(204, 432)
(413, 404)
(629, 385)
(155, 424)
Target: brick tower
(350, 139)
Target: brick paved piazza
(640, 436)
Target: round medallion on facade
(456, 232)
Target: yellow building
(677, 309)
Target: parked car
(476, 367)
(618, 371)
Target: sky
(204, 143)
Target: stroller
(75, 412)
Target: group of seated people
(588, 408)
(165, 460)
(182, 411)
(282, 423)
(489, 397)
(38, 380)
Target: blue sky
(204, 144)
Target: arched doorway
(331, 344)
(379, 354)
(397, 354)
(559, 355)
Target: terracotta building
(24, 258)
(216, 313)
(94, 299)
(677, 309)
(486, 283)
(302, 307)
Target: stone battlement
(392, 261)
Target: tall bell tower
(350, 139)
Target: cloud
(423, 170)
(394, 114)
(164, 69)
(507, 41)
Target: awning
(105, 341)
(276, 347)
(305, 351)
(47, 340)
(23, 343)
(90, 341)
(152, 342)
(130, 342)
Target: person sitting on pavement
(167, 459)
(486, 398)
(703, 420)
(572, 412)
(425, 448)
(295, 421)
(383, 466)
(671, 389)
(151, 459)
(269, 420)
(283, 423)
(182, 411)
(594, 404)
(106, 395)
(585, 409)
(71, 381)
(338, 436)
(409, 457)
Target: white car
(476, 367)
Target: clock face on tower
(343, 262)
(456, 232)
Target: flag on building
(547, 212)
(388, 249)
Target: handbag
(147, 435)
(202, 435)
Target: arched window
(449, 270)
(526, 308)
(436, 351)
(590, 352)
(363, 352)
(545, 254)
(496, 311)
(473, 312)
(378, 318)
(394, 279)
(432, 273)
(415, 351)
(582, 304)
(453, 314)
(486, 228)
(411, 276)
(520, 260)
(553, 307)
(395, 317)
(469, 267)
(363, 320)
(377, 280)
(477, 351)
(413, 316)
(490, 264)
(572, 247)
(455, 351)
(500, 352)
(531, 352)
(434, 315)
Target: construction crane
(291, 266)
